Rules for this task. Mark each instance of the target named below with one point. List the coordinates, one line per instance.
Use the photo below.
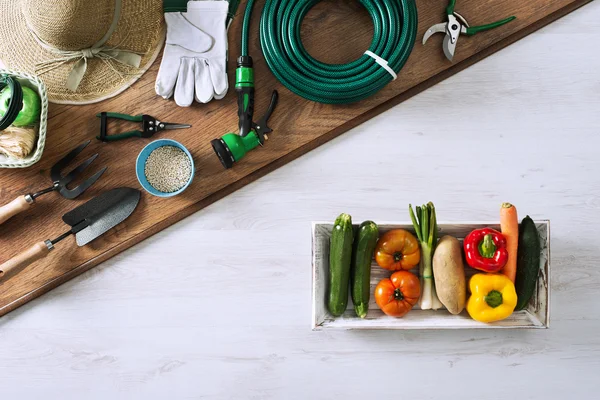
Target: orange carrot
(509, 223)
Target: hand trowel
(88, 222)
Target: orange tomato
(397, 295)
(397, 249)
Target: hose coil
(395, 30)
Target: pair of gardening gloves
(195, 56)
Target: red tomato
(397, 295)
(397, 250)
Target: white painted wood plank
(218, 306)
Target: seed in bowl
(168, 169)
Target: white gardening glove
(195, 56)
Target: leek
(425, 224)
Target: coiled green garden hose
(395, 30)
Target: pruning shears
(150, 126)
(456, 26)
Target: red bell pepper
(485, 250)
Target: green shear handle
(125, 117)
(121, 136)
(450, 8)
(124, 135)
(471, 30)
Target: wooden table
(218, 306)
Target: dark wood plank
(335, 31)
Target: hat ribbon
(108, 55)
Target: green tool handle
(245, 108)
(126, 117)
(450, 8)
(121, 136)
(233, 6)
(475, 29)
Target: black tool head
(63, 180)
(102, 213)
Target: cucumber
(340, 258)
(362, 256)
(528, 262)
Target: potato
(449, 274)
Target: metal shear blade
(169, 126)
(449, 47)
(437, 28)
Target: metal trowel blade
(102, 213)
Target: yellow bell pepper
(493, 297)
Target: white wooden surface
(219, 306)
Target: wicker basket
(36, 84)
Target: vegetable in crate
(397, 295)
(485, 250)
(528, 262)
(493, 297)
(340, 258)
(425, 224)
(509, 224)
(397, 250)
(449, 272)
(360, 284)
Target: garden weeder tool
(59, 185)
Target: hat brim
(141, 29)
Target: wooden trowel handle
(19, 262)
(13, 208)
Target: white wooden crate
(537, 314)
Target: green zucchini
(528, 262)
(362, 256)
(340, 258)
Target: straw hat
(85, 51)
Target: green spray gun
(232, 147)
